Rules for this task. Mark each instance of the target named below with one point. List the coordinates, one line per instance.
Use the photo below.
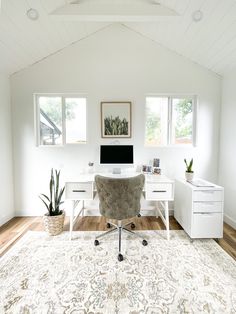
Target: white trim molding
(230, 221)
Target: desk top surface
(89, 177)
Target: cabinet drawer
(208, 195)
(208, 225)
(156, 191)
(207, 207)
(81, 191)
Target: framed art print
(116, 119)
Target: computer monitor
(116, 155)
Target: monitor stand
(116, 171)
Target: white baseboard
(230, 221)
(6, 218)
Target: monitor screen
(116, 154)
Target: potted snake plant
(54, 218)
(189, 173)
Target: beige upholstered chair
(119, 199)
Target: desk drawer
(158, 191)
(207, 207)
(207, 225)
(81, 190)
(208, 195)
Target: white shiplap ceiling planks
(210, 42)
(24, 42)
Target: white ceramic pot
(189, 176)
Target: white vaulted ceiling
(210, 42)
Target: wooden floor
(18, 226)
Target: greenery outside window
(60, 119)
(170, 120)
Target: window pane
(75, 120)
(156, 120)
(50, 120)
(182, 121)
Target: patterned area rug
(43, 274)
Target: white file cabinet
(199, 209)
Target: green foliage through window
(169, 120)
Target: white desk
(157, 188)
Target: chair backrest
(119, 197)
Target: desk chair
(119, 198)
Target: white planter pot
(189, 176)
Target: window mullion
(37, 120)
(169, 140)
(63, 103)
(194, 121)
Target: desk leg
(167, 220)
(71, 219)
(82, 214)
(157, 211)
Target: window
(60, 119)
(170, 121)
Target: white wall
(227, 160)
(113, 64)
(6, 190)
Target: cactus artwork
(115, 126)
(116, 119)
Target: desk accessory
(189, 173)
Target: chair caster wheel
(144, 243)
(108, 225)
(139, 215)
(120, 257)
(132, 226)
(96, 242)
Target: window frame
(63, 110)
(170, 97)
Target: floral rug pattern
(52, 275)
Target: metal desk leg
(72, 219)
(167, 220)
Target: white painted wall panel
(6, 186)
(227, 169)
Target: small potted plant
(54, 218)
(189, 172)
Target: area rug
(43, 274)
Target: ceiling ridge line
(60, 50)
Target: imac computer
(116, 156)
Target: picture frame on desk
(116, 119)
(146, 169)
(157, 170)
(156, 162)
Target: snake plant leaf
(47, 198)
(60, 194)
(44, 203)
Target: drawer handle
(159, 191)
(79, 191)
(208, 192)
(207, 214)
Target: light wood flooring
(18, 226)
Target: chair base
(119, 228)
